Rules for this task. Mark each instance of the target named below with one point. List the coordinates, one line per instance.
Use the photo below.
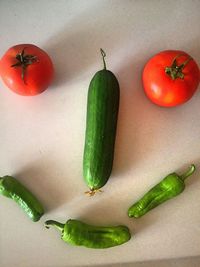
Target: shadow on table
(46, 186)
(76, 47)
(179, 262)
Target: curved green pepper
(78, 233)
(11, 188)
(171, 186)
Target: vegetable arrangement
(80, 234)
(171, 186)
(102, 112)
(170, 78)
(11, 188)
(26, 69)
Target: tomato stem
(103, 56)
(175, 70)
(24, 61)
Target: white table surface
(42, 137)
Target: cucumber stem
(92, 192)
(103, 56)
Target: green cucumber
(101, 124)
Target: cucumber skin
(101, 124)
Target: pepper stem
(188, 172)
(103, 56)
(59, 226)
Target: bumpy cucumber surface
(101, 124)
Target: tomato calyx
(23, 61)
(175, 70)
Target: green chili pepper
(78, 233)
(171, 186)
(11, 188)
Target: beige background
(42, 137)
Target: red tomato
(170, 78)
(26, 69)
